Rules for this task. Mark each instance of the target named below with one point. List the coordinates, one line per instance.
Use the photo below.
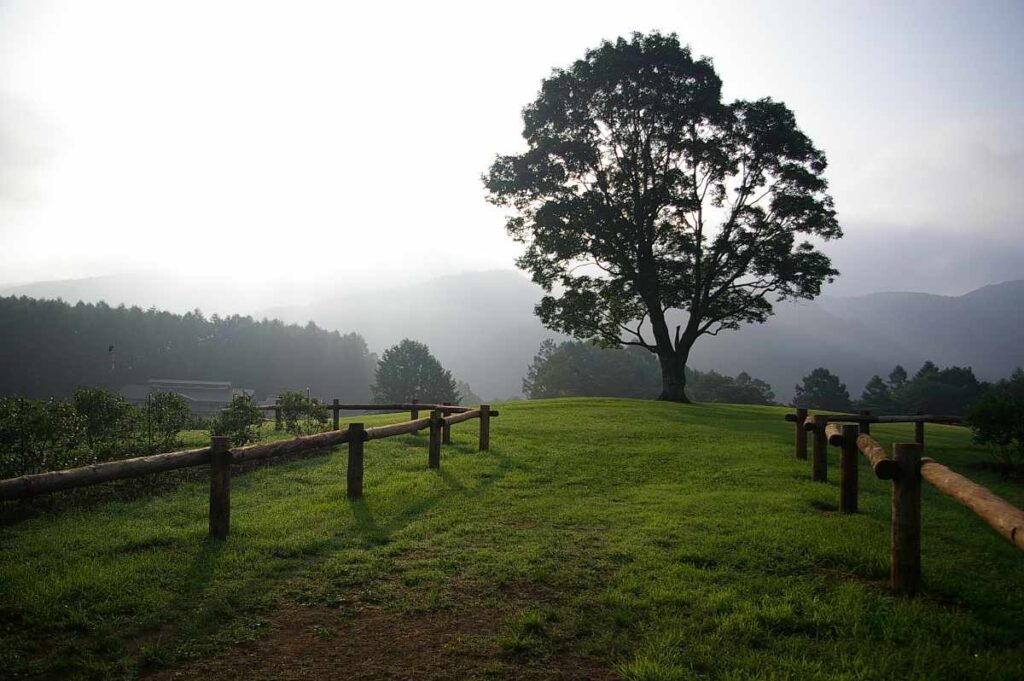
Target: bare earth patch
(323, 643)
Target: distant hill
(481, 325)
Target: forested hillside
(48, 348)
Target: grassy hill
(598, 539)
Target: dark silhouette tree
(641, 192)
(408, 371)
(821, 389)
(897, 378)
(876, 396)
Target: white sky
(296, 141)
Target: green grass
(663, 541)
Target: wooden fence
(220, 455)
(851, 433)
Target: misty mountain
(481, 326)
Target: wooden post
(434, 449)
(446, 428)
(865, 426)
(906, 519)
(848, 471)
(335, 410)
(801, 434)
(919, 431)
(414, 413)
(220, 487)
(819, 464)
(356, 435)
(277, 414)
(485, 427)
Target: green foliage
(932, 390)
(656, 540)
(408, 371)
(821, 389)
(466, 394)
(302, 414)
(39, 435)
(240, 420)
(997, 420)
(166, 414)
(585, 369)
(48, 347)
(582, 369)
(877, 396)
(108, 421)
(641, 191)
(712, 386)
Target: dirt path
(313, 643)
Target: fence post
(414, 413)
(334, 409)
(485, 427)
(356, 435)
(865, 425)
(277, 414)
(819, 465)
(446, 428)
(919, 431)
(801, 434)
(848, 471)
(906, 519)
(434, 449)
(220, 486)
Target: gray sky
(296, 141)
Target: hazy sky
(295, 141)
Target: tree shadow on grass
(375, 533)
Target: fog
(280, 150)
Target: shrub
(39, 435)
(301, 414)
(997, 420)
(240, 421)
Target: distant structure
(205, 398)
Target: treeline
(934, 390)
(581, 369)
(48, 348)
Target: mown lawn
(653, 541)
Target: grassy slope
(665, 541)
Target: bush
(997, 420)
(240, 421)
(39, 435)
(301, 414)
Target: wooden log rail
(906, 469)
(219, 456)
(868, 418)
(406, 406)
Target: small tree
(240, 420)
(107, 420)
(408, 371)
(302, 414)
(997, 420)
(166, 415)
(821, 389)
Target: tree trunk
(673, 377)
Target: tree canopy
(821, 389)
(642, 192)
(408, 371)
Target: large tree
(641, 192)
(408, 371)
